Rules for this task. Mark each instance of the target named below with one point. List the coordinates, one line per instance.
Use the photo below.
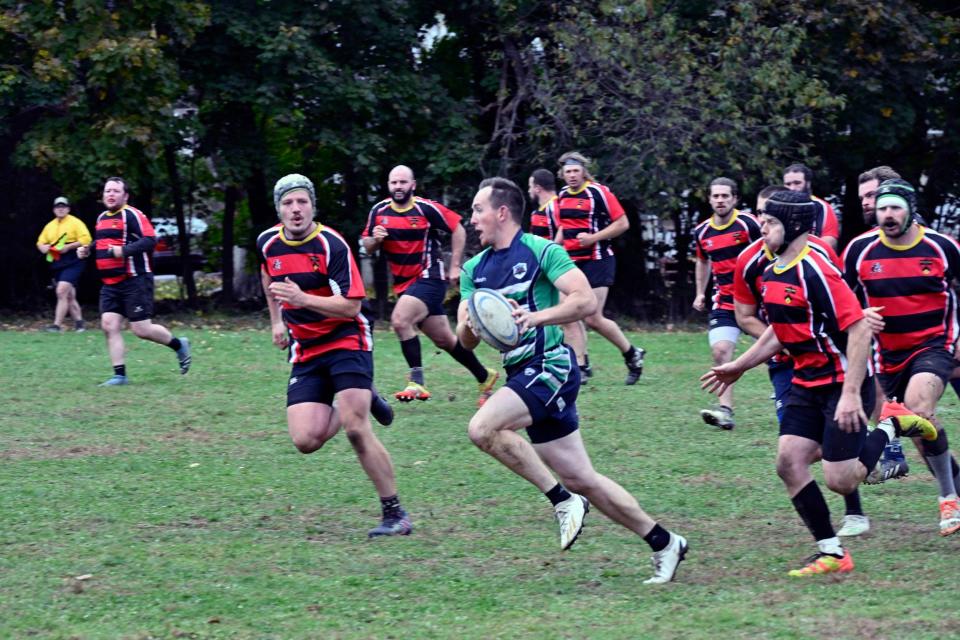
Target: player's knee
(306, 443)
(399, 324)
(840, 483)
(358, 440)
(788, 468)
(480, 433)
(580, 483)
(721, 354)
(140, 329)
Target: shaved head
(401, 184)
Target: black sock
(956, 386)
(852, 503)
(658, 538)
(628, 354)
(120, 370)
(469, 360)
(557, 495)
(873, 448)
(411, 352)
(814, 511)
(391, 506)
(586, 361)
(174, 344)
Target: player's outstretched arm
(578, 302)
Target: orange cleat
(821, 563)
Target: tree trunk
(226, 247)
(186, 268)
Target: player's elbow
(351, 307)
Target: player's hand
(874, 319)
(586, 239)
(524, 318)
(43, 248)
(287, 292)
(849, 414)
(699, 303)
(280, 336)
(117, 251)
(719, 378)
(380, 233)
(454, 277)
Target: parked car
(166, 255)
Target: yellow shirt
(70, 228)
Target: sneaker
(393, 525)
(666, 561)
(905, 422)
(52, 328)
(570, 514)
(949, 516)
(183, 355)
(820, 563)
(115, 381)
(486, 387)
(853, 525)
(79, 326)
(635, 366)
(887, 470)
(721, 417)
(381, 410)
(412, 392)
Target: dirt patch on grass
(52, 452)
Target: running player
(542, 377)
(799, 177)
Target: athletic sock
(174, 344)
(629, 353)
(416, 375)
(937, 454)
(120, 370)
(658, 538)
(469, 360)
(851, 502)
(411, 352)
(558, 494)
(391, 506)
(831, 546)
(874, 445)
(814, 511)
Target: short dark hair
(544, 179)
(117, 179)
(724, 182)
(505, 192)
(800, 168)
(881, 173)
(769, 190)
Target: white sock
(888, 428)
(831, 546)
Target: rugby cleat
(115, 381)
(821, 563)
(183, 355)
(486, 387)
(570, 514)
(887, 470)
(949, 516)
(905, 422)
(397, 524)
(721, 417)
(79, 326)
(634, 366)
(853, 525)
(413, 391)
(666, 561)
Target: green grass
(185, 502)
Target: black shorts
(431, 291)
(70, 272)
(937, 361)
(809, 414)
(600, 273)
(132, 298)
(321, 378)
(722, 318)
(548, 386)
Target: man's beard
(404, 198)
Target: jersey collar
(778, 269)
(733, 218)
(902, 247)
(296, 243)
(586, 184)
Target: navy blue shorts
(71, 272)
(549, 387)
(600, 273)
(937, 361)
(132, 298)
(321, 378)
(431, 291)
(781, 377)
(722, 318)
(809, 414)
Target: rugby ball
(491, 315)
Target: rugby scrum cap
(292, 182)
(794, 210)
(61, 200)
(901, 193)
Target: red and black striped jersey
(825, 224)
(322, 265)
(588, 210)
(751, 263)
(543, 220)
(721, 245)
(128, 228)
(914, 285)
(412, 245)
(810, 308)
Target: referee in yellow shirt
(59, 241)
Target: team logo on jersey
(414, 221)
(315, 262)
(925, 265)
(384, 220)
(876, 267)
(276, 264)
(790, 291)
(519, 270)
(708, 243)
(737, 237)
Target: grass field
(177, 507)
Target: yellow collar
(778, 269)
(296, 243)
(733, 218)
(902, 247)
